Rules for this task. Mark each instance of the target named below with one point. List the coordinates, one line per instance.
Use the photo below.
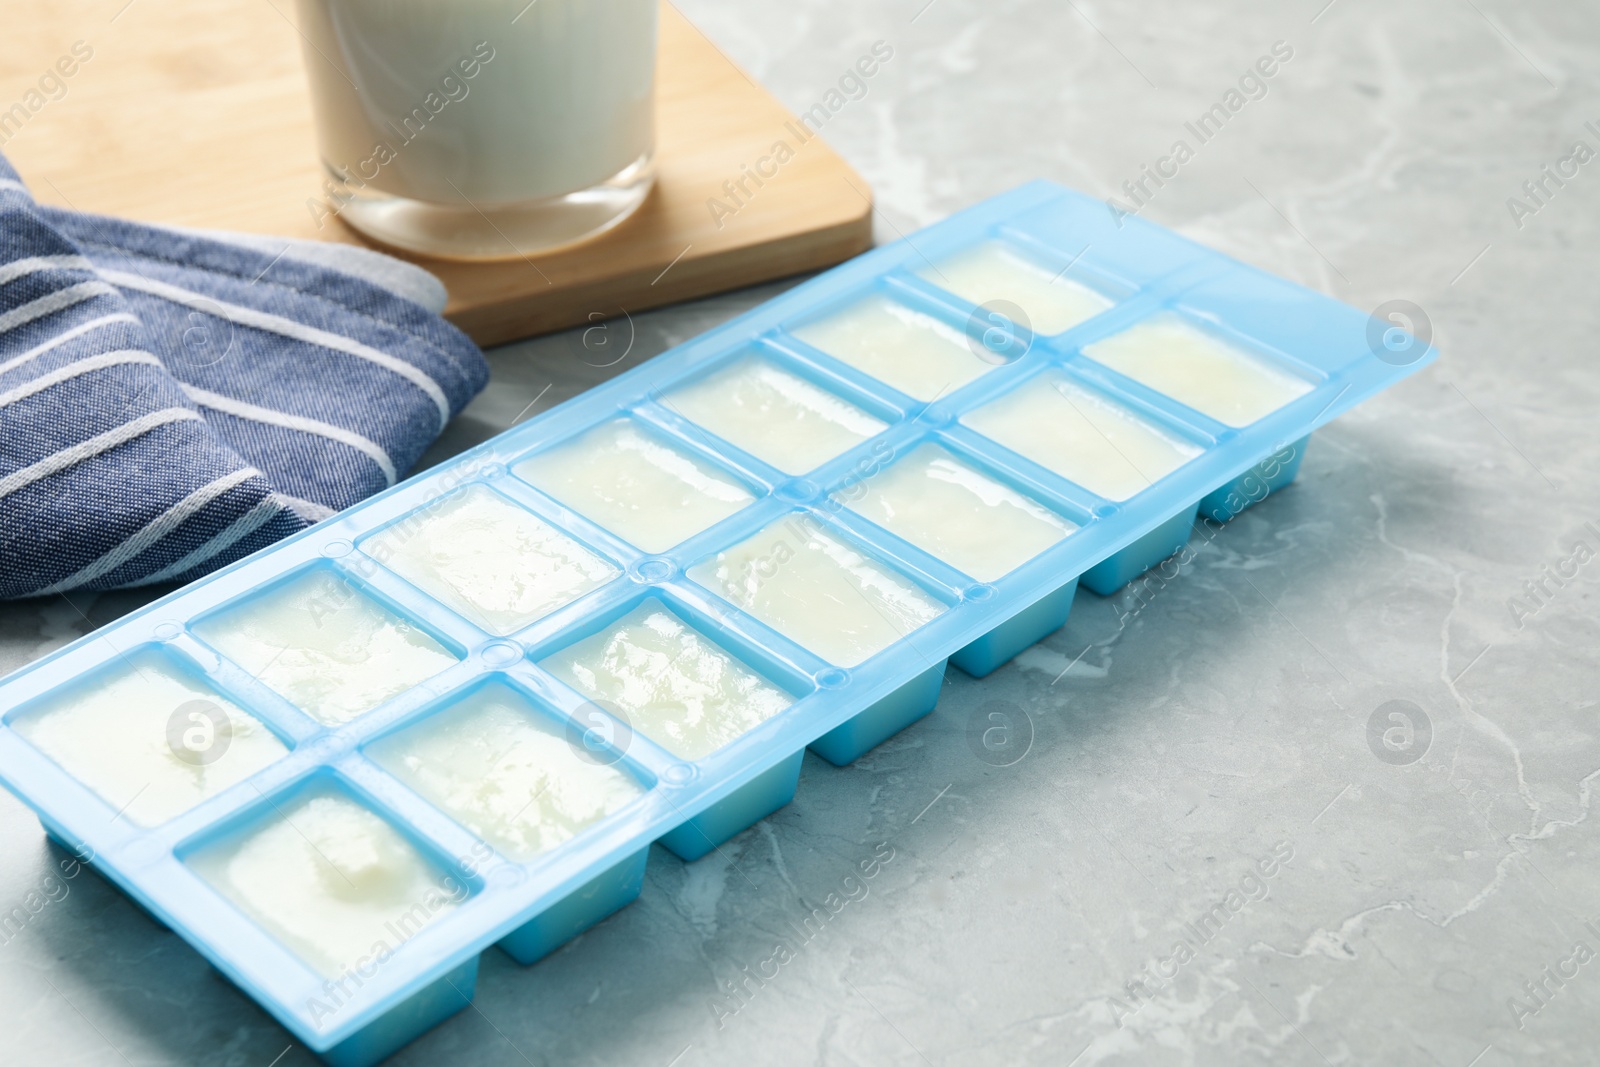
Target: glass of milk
(481, 129)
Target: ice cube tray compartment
(459, 632)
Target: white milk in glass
(150, 739)
(1198, 369)
(504, 772)
(331, 880)
(482, 106)
(963, 516)
(635, 484)
(774, 415)
(473, 105)
(919, 355)
(328, 649)
(500, 566)
(991, 270)
(674, 685)
(1082, 436)
(808, 584)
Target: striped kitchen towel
(171, 401)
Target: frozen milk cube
(495, 563)
(913, 352)
(957, 513)
(635, 484)
(324, 646)
(774, 415)
(151, 740)
(496, 766)
(331, 880)
(817, 590)
(1199, 369)
(992, 271)
(673, 684)
(1082, 436)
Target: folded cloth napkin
(171, 401)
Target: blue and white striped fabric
(170, 402)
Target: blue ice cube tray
(839, 711)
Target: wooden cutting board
(196, 112)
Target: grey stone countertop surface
(1428, 897)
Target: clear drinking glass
(481, 129)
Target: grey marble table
(1205, 767)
